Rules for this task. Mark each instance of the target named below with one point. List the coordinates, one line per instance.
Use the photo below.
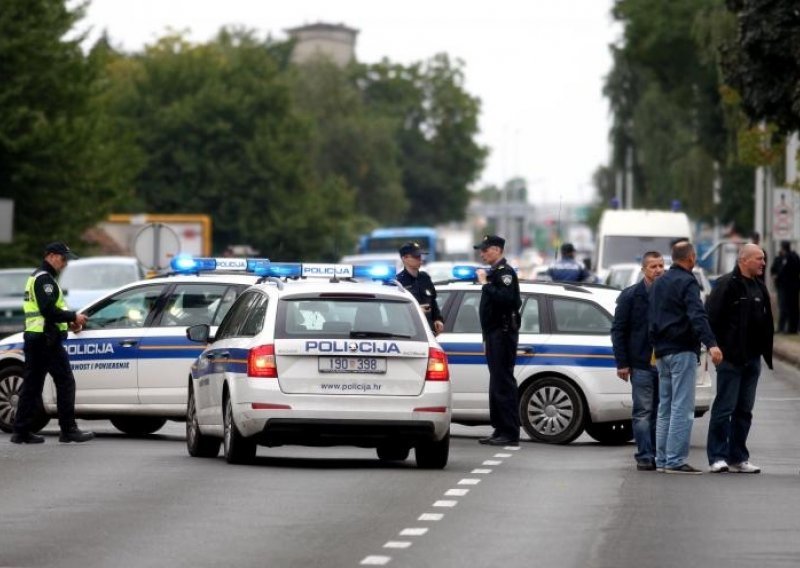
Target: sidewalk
(787, 348)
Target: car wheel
(138, 425)
(552, 411)
(433, 454)
(393, 452)
(198, 444)
(611, 433)
(237, 448)
(11, 379)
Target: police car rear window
(340, 317)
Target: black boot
(26, 438)
(75, 435)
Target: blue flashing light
(189, 264)
(464, 272)
(258, 266)
(374, 271)
(285, 269)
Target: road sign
(155, 245)
(785, 210)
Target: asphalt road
(144, 502)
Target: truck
(388, 240)
(624, 235)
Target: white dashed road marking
(379, 560)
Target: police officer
(499, 314)
(46, 324)
(420, 284)
(567, 269)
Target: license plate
(352, 365)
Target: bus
(388, 240)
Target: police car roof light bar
(187, 264)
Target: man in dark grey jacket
(678, 324)
(741, 318)
(633, 354)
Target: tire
(552, 411)
(393, 453)
(11, 379)
(611, 433)
(236, 447)
(138, 425)
(433, 454)
(198, 444)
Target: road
(144, 502)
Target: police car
(317, 356)
(131, 360)
(565, 365)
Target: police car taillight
(437, 366)
(261, 362)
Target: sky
(536, 65)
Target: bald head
(751, 260)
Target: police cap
(567, 248)
(412, 248)
(60, 248)
(491, 241)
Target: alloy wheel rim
(550, 411)
(9, 397)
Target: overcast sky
(536, 65)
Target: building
(336, 42)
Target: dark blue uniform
(499, 314)
(421, 287)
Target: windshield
(348, 317)
(97, 276)
(620, 249)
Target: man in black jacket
(678, 324)
(499, 315)
(741, 318)
(46, 322)
(419, 284)
(633, 353)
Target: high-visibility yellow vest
(34, 320)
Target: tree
(436, 122)
(56, 160)
(219, 133)
(763, 61)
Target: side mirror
(200, 333)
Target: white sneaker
(718, 466)
(744, 467)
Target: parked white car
(625, 274)
(86, 279)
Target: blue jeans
(676, 386)
(644, 384)
(732, 411)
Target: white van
(625, 235)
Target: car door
(166, 354)
(228, 353)
(104, 356)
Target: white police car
(565, 364)
(130, 362)
(321, 362)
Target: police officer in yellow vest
(46, 323)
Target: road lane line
(376, 560)
(414, 531)
(492, 462)
(481, 470)
(431, 517)
(469, 481)
(397, 544)
(456, 492)
(503, 455)
(445, 503)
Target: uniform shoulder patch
(48, 288)
(507, 279)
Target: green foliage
(436, 122)
(665, 95)
(56, 161)
(762, 61)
